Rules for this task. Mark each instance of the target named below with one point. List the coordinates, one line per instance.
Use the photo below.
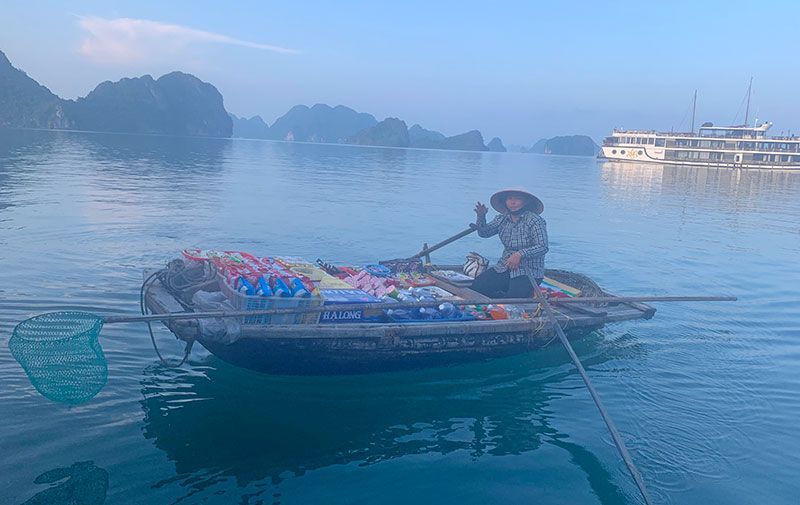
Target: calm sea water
(706, 395)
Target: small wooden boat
(355, 348)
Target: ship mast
(694, 108)
(747, 110)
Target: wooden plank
(592, 311)
(465, 293)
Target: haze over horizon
(517, 71)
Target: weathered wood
(325, 349)
(589, 310)
(326, 308)
(646, 309)
(462, 292)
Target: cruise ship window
(660, 142)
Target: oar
(623, 451)
(61, 354)
(427, 250)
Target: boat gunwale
(160, 301)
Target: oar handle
(427, 250)
(405, 305)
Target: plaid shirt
(528, 236)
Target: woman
(523, 233)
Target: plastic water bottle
(399, 313)
(298, 289)
(497, 312)
(515, 312)
(281, 289)
(447, 310)
(244, 287)
(263, 287)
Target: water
(706, 395)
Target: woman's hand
(513, 260)
(481, 210)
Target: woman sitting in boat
(523, 233)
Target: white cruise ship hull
(734, 147)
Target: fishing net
(61, 355)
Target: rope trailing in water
(623, 451)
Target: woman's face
(515, 202)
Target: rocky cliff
(175, 104)
(496, 145)
(320, 123)
(24, 103)
(391, 132)
(253, 128)
(575, 145)
(420, 137)
(469, 141)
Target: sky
(517, 70)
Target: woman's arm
(487, 230)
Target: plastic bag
(226, 330)
(475, 264)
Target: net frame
(61, 355)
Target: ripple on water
(704, 394)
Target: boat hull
(363, 355)
(361, 348)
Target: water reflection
(174, 154)
(83, 483)
(21, 153)
(735, 189)
(220, 421)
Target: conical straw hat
(498, 200)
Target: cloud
(126, 40)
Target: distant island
(175, 103)
(343, 125)
(181, 104)
(572, 145)
(569, 145)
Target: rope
(555, 336)
(177, 279)
(148, 282)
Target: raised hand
(481, 210)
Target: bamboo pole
(406, 305)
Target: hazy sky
(518, 70)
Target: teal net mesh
(61, 355)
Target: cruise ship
(719, 146)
